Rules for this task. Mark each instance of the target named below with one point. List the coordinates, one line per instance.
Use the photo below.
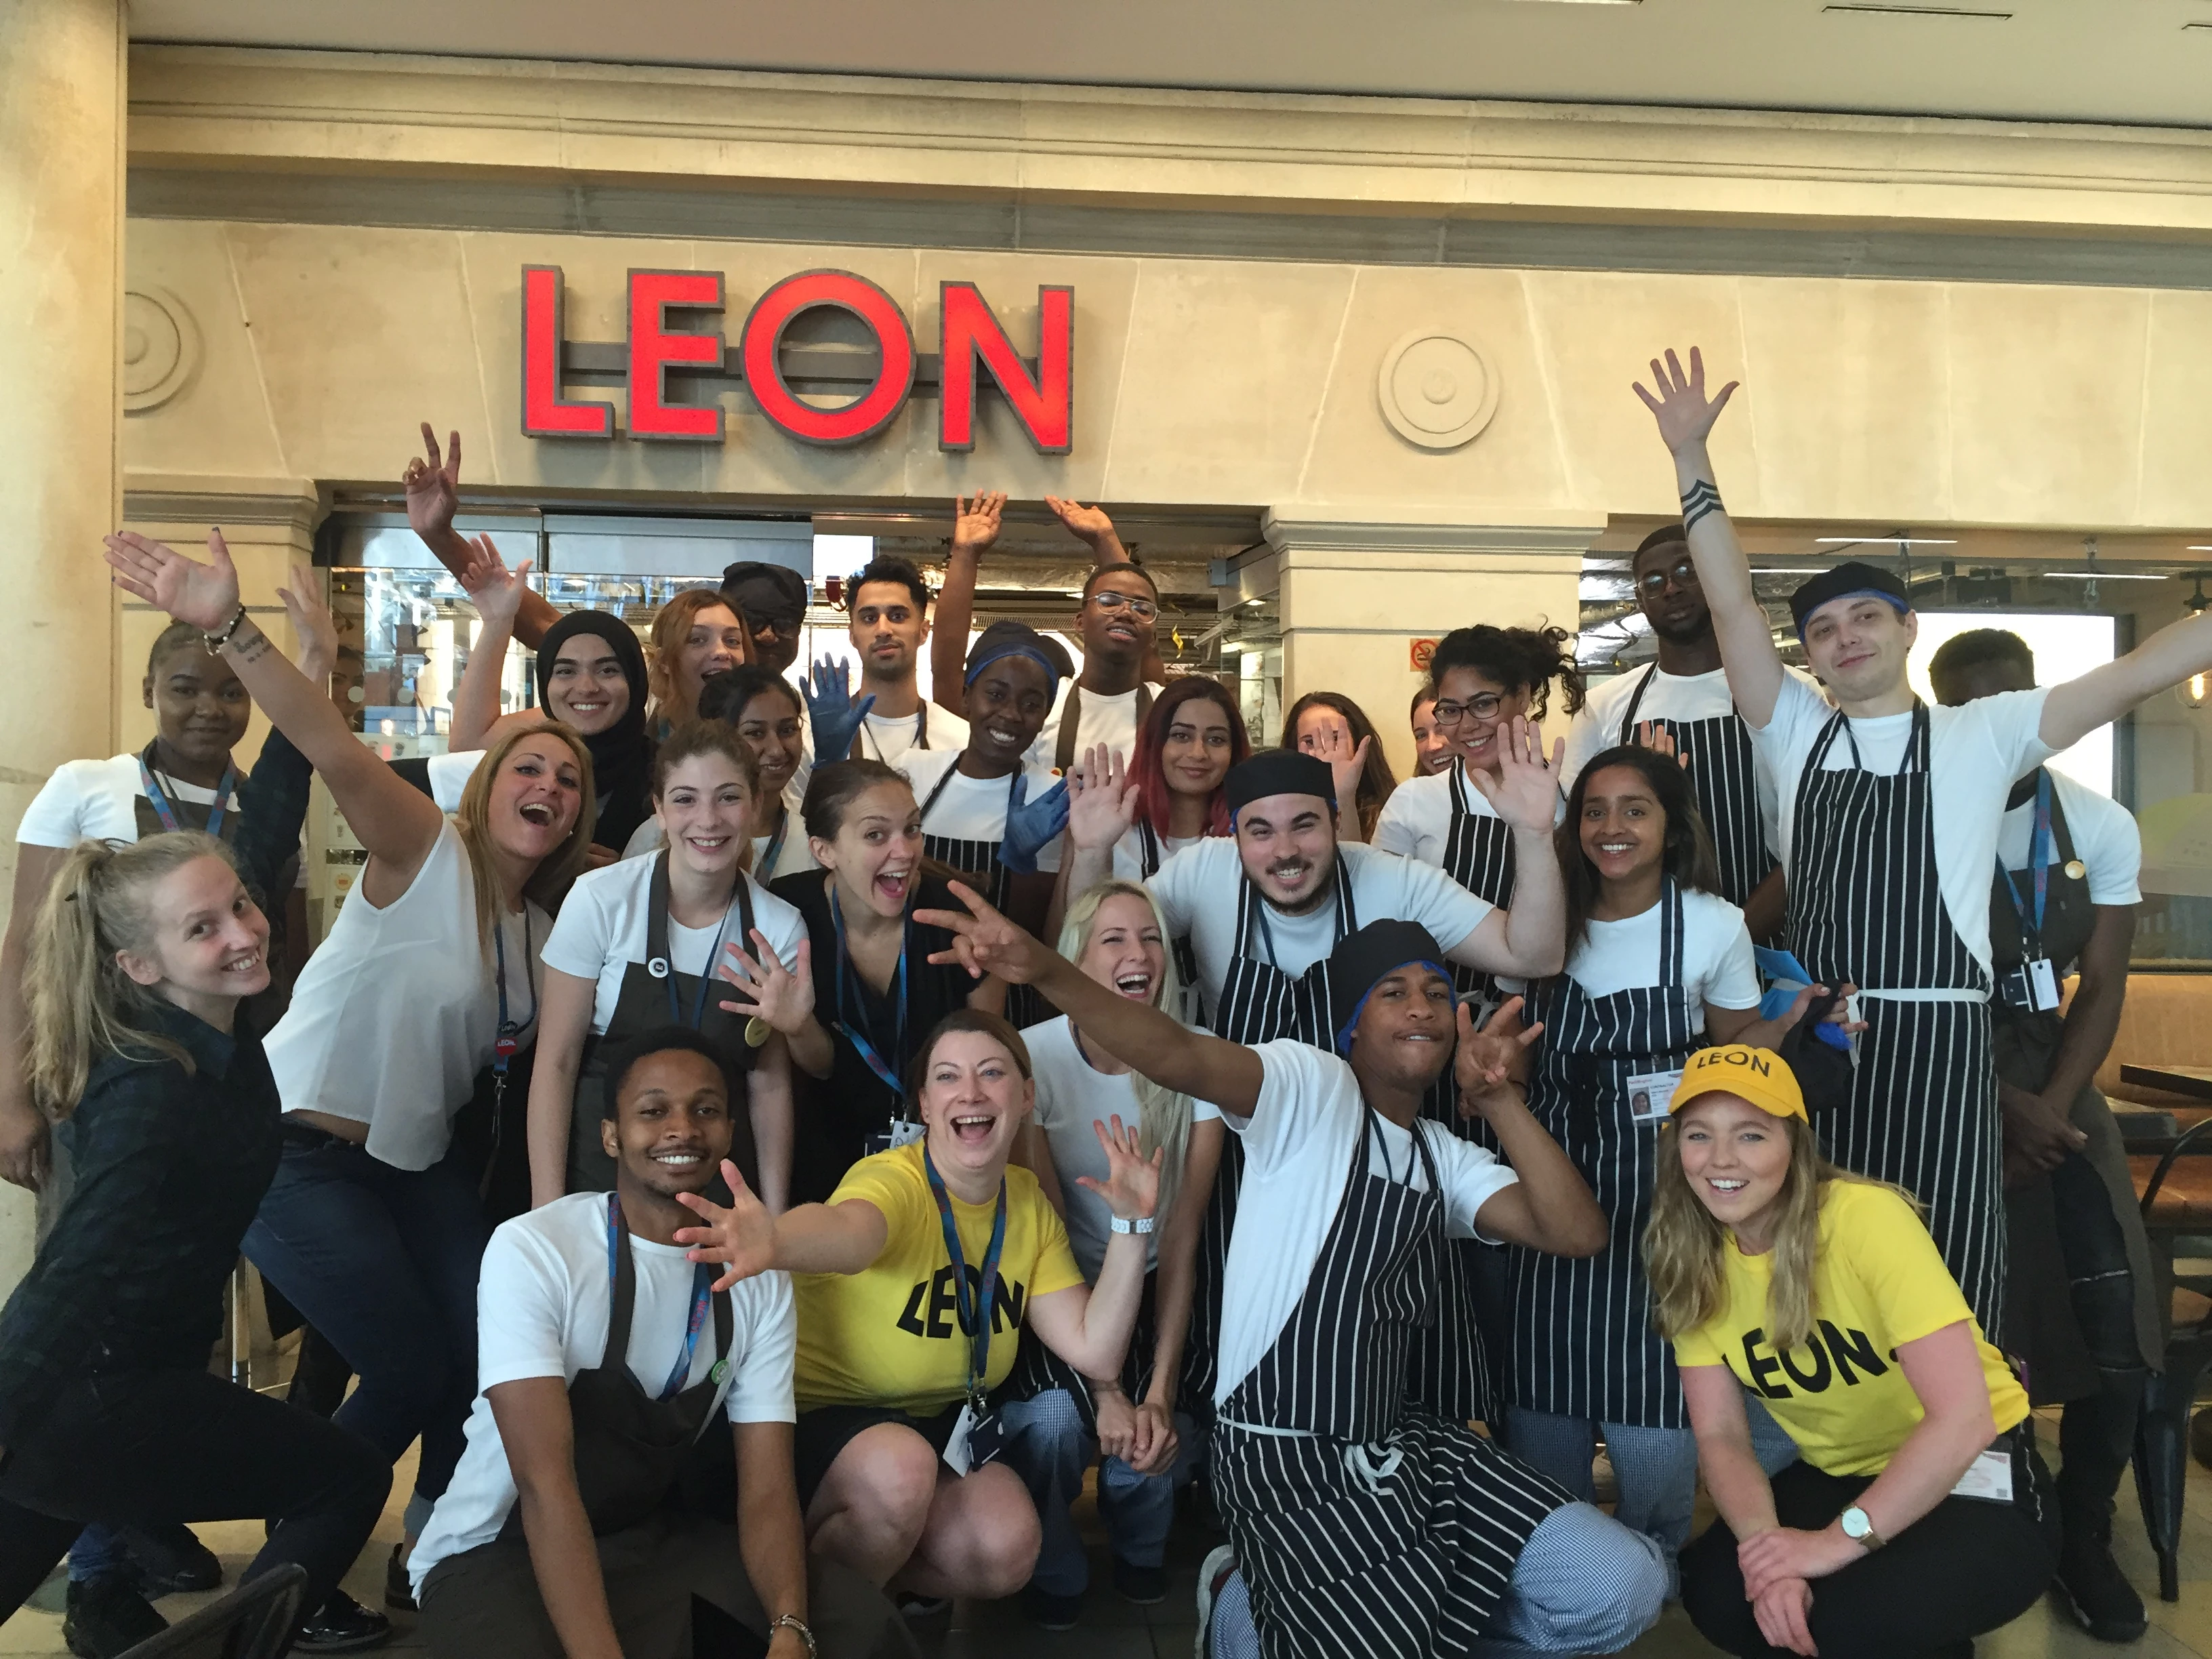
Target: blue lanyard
(2038, 857)
(703, 1280)
(705, 974)
(168, 813)
(767, 863)
(975, 1302)
(853, 1031)
(504, 1045)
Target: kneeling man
(574, 1527)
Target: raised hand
(1132, 1186)
(1659, 738)
(1088, 523)
(742, 1237)
(983, 941)
(784, 997)
(831, 714)
(313, 625)
(433, 483)
(205, 595)
(1032, 825)
(1102, 799)
(1525, 789)
(1331, 742)
(976, 520)
(1684, 414)
(1500, 1053)
(495, 591)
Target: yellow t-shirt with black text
(1878, 1283)
(891, 1335)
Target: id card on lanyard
(854, 1029)
(2034, 984)
(507, 1041)
(1650, 1094)
(978, 1437)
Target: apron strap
(1635, 703)
(624, 1301)
(937, 788)
(656, 918)
(1671, 930)
(1151, 842)
(1071, 727)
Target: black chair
(2161, 1453)
(254, 1621)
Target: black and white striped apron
(1724, 776)
(1149, 855)
(978, 861)
(1866, 907)
(1584, 1343)
(1479, 856)
(1369, 1521)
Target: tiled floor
(1112, 1629)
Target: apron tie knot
(1372, 1465)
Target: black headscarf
(1851, 577)
(622, 756)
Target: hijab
(622, 756)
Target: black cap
(1362, 959)
(1851, 576)
(1279, 772)
(766, 593)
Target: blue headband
(1015, 649)
(1344, 1032)
(1896, 604)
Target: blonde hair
(559, 868)
(670, 629)
(1164, 1117)
(1685, 1245)
(82, 1005)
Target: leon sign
(674, 361)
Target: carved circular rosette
(1436, 390)
(160, 348)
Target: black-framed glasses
(1653, 582)
(1483, 706)
(1107, 598)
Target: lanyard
(703, 1280)
(767, 861)
(168, 813)
(854, 1031)
(975, 1303)
(707, 974)
(504, 1045)
(2038, 857)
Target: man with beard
(888, 604)
(1685, 694)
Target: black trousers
(1966, 1566)
(138, 1447)
(2097, 1432)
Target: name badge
(2042, 985)
(1988, 1477)
(977, 1437)
(1650, 1095)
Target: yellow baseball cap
(1757, 1075)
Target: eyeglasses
(1107, 599)
(1652, 583)
(1484, 706)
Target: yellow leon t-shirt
(891, 1336)
(1878, 1283)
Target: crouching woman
(1918, 1514)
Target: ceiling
(2131, 62)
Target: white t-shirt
(397, 1012)
(1201, 893)
(1070, 1097)
(1110, 721)
(602, 930)
(1416, 821)
(98, 800)
(886, 738)
(450, 773)
(543, 1301)
(1129, 852)
(970, 809)
(1298, 1146)
(1975, 751)
(1718, 970)
(2105, 840)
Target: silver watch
(1858, 1527)
(1143, 1223)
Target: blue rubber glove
(831, 714)
(1032, 825)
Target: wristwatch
(1858, 1527)
(1143, 1223)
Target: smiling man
(605, 1359)
(1890, 816)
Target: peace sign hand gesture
(784, 997)
(742, 1237)
(1497, 1055)
(205, 595)
(1132, 1186)
(1684, 414)
(985, 942)
(433, 483)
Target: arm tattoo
(1699, 498)
(253, 647)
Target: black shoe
(398, 1593)
(2091, 1586)
(106, 1616)
(1049, 1612)
(341, 1624)
(171, 1561)
(1146, 1586)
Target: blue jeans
(1047, 1447)
(1583, 1583)
(1657, 1468)
(383, 1262)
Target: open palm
(1684, 414)
(741, 1237)
(205, 595)
(1525, 789)
(1102, 799)
(1132, 1186)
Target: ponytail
(1526, 659)
(82, 1005)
